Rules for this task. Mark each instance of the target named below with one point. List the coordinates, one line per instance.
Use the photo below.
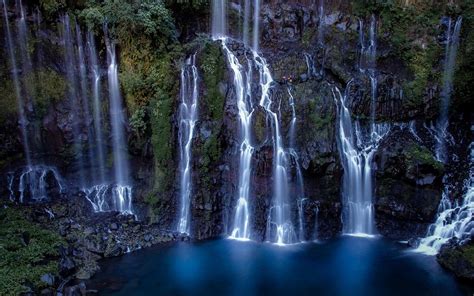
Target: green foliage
(126, 18)
(419, 155)
(137, 121)
(47, 87)
(8, 105)
(213, 66)
(25, 252)
(51, 7)
(415, 45)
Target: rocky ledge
(75, 240)
(458, 259)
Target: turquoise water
(344, 266)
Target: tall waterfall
(357, 153)
(256, 25)
(452, 44)
(97, 106)
(454, 220)
(241, 225)
(357, 145)
(188, 114)
(122, 192)
(300, 194)
(73, 95)
(219, 18)
(16, 83)
(280, 214)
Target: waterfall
(86, 119)
(97, 106)
(219, 18)
(16, 83)
(279, 215)
(73, 95)
(122, 193)
(452, 44)
(256, 24)
(453, 220)
(245, 35)
(188, 114)
(357, 153)
(357, 145)
(321, 23)
(242, 216)
(300, 194)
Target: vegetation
(27, 251)
(420, 155)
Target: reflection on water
(345, 266)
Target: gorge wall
(313, 50)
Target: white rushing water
(16, 83)
(73, 94)
(451, 48)
(357, 154)
(454, 220)
(188, 115)
(241, 225)
(300, 194)
(97, 105)
(33, 183)
(219, 18)
(280, 212)
(122, 193)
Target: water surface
(344, 266)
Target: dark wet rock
(48, 279)
(408, 186)
(458, 259)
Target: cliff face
(309, 57)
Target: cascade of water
(33, 182)
(97, 196)
(452, 44)
(219, 18)
(97, 106)
(16, 84)
(299, 176)
(245, 35)
(84, 95)
(256, 24)
(321, 23)
(356, 152)
(316, 217)
(122, 192)
(300, 204)
(73, 94)
(453, 221)
(280, 211)
(187, 120)
(311, 70)
(241, 225)
(10, 179)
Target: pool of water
(344, 266)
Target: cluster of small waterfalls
(85, 96)
(357, 141)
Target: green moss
(420, 155)
(308, 36)
(25, 252)
(213, 66)
(8, 104)
(47, 87)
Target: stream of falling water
(16, 83)
(188, 115)
(122, 191)
(454, 220)
(452, 44)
